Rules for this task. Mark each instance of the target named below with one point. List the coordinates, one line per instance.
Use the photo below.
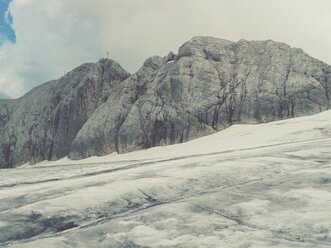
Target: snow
(266, 185)
(236, 137)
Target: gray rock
(170, 57)
(100, 135)
(43, 124)
(209, 85)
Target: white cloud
(56, 35)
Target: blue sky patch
(6, 21)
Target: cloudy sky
(42, 39)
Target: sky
(41, 40)
(6, 22)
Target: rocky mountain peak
(209, 85)
(203, 46)
(153, 62)
(43, 123)
(112, 70)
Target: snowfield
(266, 185)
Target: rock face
(209, 85)
(43, 124)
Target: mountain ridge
(36, 126)
(207, 86)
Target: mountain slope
(265, 185)
(43, 123)
(209, 85)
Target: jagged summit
(44, 122)
(202, 46)
(207, 86)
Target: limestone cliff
(207, 86)
(42, 124)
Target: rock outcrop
(42, 124)
(207, 86)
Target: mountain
(42, 124)
(265, 185)
(207, 86)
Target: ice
(266, 185)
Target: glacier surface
(266, 185)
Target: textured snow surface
(266, 185)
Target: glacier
(263, 185)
